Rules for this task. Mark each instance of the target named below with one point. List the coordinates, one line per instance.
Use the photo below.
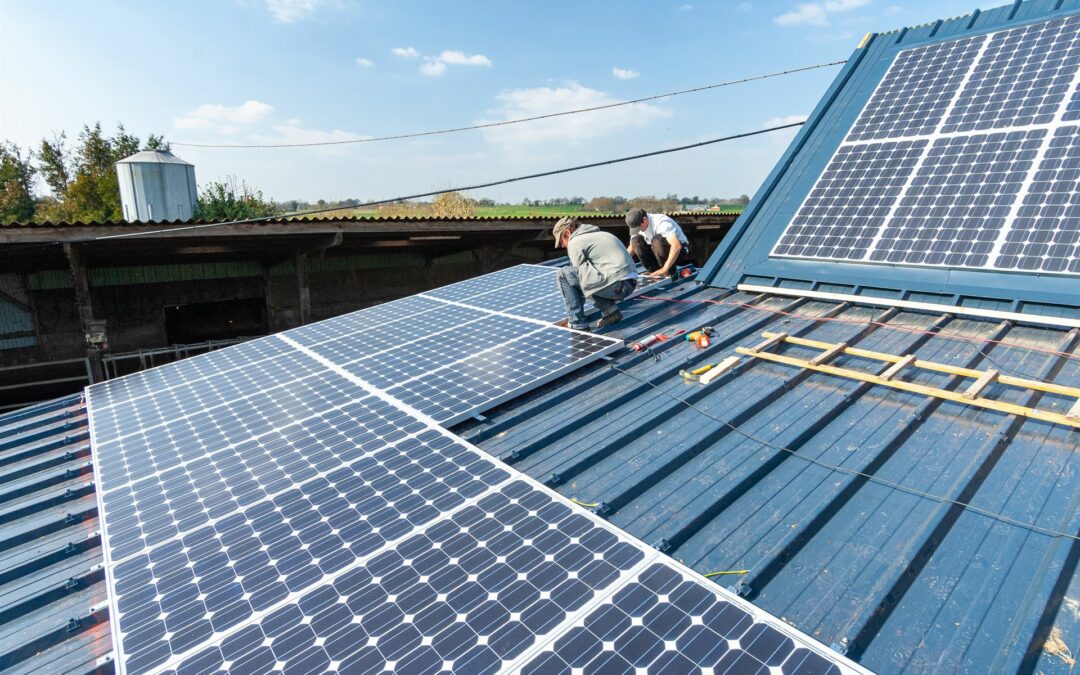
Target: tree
(225, 200)
(600, 204)
(17, 203)
(83, 180)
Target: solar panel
(322, 524)
(961, 158)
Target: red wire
(951, 336)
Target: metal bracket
(104, 659)
(662, 545)
(100, 607)
(553, 480)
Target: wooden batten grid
(972, 395)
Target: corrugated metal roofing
(50, 552)
(300, 220)
(848, 531)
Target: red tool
(654, 339)
(701, 338)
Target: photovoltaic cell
(989, 179)
(665, 621)
(1021, 79)
(915, 92)
(1046, 232)
(959, 201)
(488, 282)
(847, 208)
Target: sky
(286, 71)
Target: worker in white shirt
(658, 242)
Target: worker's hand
(662, 272)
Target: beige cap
(560, 227)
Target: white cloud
(365, 63)
(686, 8)
(518, 103)
(222, 118)
(433, 66)
(293, 131)
(743, 7)
(405, 52)
(624, 73)
(289, 11)
(817, 13)
(784, 119)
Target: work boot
(608, 319)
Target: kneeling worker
(658, 242)
(600, 270)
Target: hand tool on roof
(654, 339)
(721, 368)
(700, 338)
(685, 271)
(695, 374)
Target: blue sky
(242, 71)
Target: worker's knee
(637, 244)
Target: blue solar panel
(913, 96)
(1021, 79)
(851, 201)
(960, 200)
(1046, 233)
(953, 197)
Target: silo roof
(153, 157)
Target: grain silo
(156, 185)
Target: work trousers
(605, 299)
(655, 255)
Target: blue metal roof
(853, 531)
(743, 256)
(50, 579)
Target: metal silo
(156, 185)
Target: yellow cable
(588, 505)
(716, 574)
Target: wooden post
(270, 307)
(302, 285)
(84, 305)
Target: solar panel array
(322, 525)
(963, 157)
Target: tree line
(81, 185)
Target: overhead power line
(503, 123)
(504, 181)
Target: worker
(658, 242)
(600, 270)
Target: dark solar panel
(1046, 233)
(1021, 79)
(848, 207)
(959, 201)
(954, 197)
(914, 94)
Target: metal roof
(860, 511)
(50, 552)
(299, 221)
(911, 531)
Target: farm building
(884, 480)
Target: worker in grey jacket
(600, 270)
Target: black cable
(504, 181)
(850, 472)
(488, 125)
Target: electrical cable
(488, 125)
(851, 472)
(466, 188)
